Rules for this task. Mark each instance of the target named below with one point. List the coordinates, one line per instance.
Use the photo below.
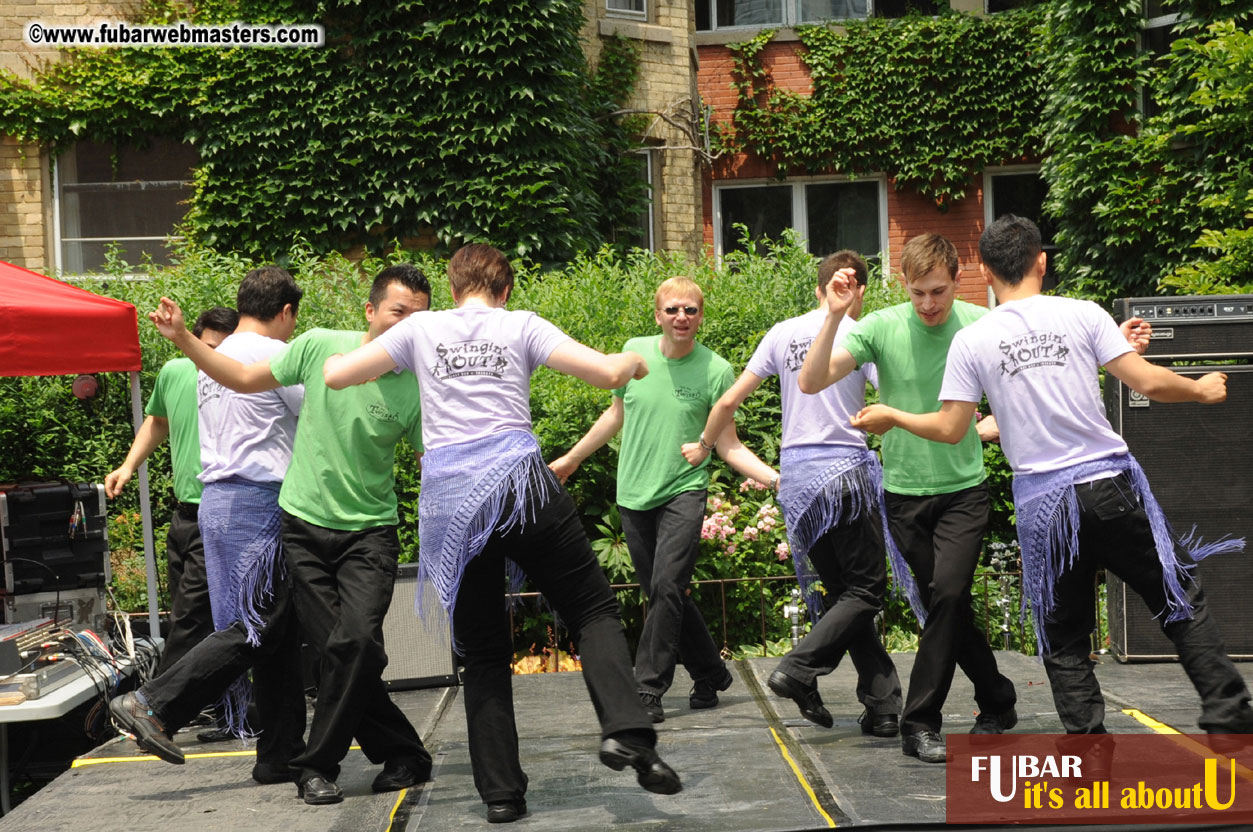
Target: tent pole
(145, 508)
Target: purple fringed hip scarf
(465, 491)
(1048, 530)
(812, 480)
(240, 526)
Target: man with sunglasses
(661, 498)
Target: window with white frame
(627, 8)
(119, 196)
(638, 231)
(1020, 191)
(737, 14)
(829, 214)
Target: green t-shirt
(343, 459)
(663, 410)
(910, 357)
(174, 399)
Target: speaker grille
(419, 650)
(1197, 460)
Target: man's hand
(1137, 331)
(641, 369)
(841, 291)
(169, 320)
(694, 453)
(877, 418)
(988, 429)
(563, 467)
(1212, 388)
(116, 479)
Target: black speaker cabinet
(1197, 460)
(419, 650)
(1213, 327)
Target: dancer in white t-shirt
(489, 503)
(1082, 501)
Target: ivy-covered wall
(474, 121)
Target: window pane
(639, 231)
(749, 12)
(147, 212)
(900, 8)
(1006, 5)
(766, 211)
(79, 258)
(703, 23)
(1155, 8)
(815, 10)
(1023, 194)
(161, 160)
(626, 6)
(843, 215)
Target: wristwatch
(703, 445)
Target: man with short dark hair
(937, 503)
(339, 530)
(172, 413)
(1082, 501)
(245, 448)
(831, 491)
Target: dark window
(1023, 194)
(900, 8)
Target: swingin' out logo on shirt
(796, 352)
(1035, 349)
(477, 357)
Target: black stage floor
(749, 764)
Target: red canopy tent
(52, 328)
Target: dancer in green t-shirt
(661, 498)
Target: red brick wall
(909, 214)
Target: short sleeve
(763, 364)
(157, 406)
(1107, 339)
(398, 342)
(860, 340)
(539, 338)
(287, 365)
(871, 373)
(961, 376)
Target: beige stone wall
(25, 184)
(666, 85)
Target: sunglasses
(674, 310)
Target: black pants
(849, 559)
(941, 536)
(664, 543)
(191, 616)
(209, 668)
(342, 583)
(1114, 533)
(554, 552)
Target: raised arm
(604, 429)
(242, 378)
(948, 424)
(824, 366)
(608, 372)
(366, 362)
(1162, 385)
(721, 415)
(150, 435)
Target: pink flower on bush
(767, 523)
(751, 532)
(768, 510)
(730, 549)
(751, 483)
(783, 551)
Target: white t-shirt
(1036, 359)
(246, 435)
(821, 418)
(474, 368)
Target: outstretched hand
(1137, 331)
(877, 419)
(563, 467)
(1212, 387)
(168, 319)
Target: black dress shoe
(806, 698)
(927, 746)
(652, 706)
(653, 774)
(881, 725)
(506, 812)
(986, 723)
(136, 720)
(216, 734)
(704, 693)
(270, 773)
(318, 791)
(397, 775)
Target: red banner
(1099, 778)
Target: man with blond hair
(661, 498)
